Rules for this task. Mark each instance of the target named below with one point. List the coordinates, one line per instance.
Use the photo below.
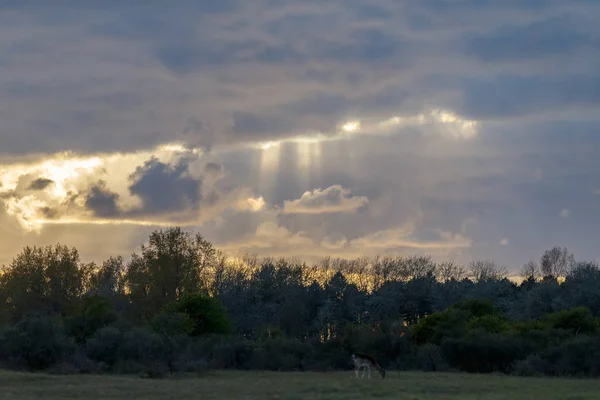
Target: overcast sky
(457, 128)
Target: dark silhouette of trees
(182, 305)
(556, 262)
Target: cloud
(163, 187)
(470, 117)
(330, 200)
(402, 239)
(169, 185)
(534, 39)
(273, 239)
(102, 202)
(512, 95)
(40, 184)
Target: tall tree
(482, 270)
(47, 278)
(173, 263)
(556, 262)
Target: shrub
(171, 324)
(577, 320)
(93, 313)
(482, 352)
(435, 327)
(104, 346)
(532, 365)
(208, 314)
(37, 342)
(577, 356)
(429, 358)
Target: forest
(180, 305)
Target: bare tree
(419, 266)
(449, 270)
(482, 270)
(556, 262)
(531, 270)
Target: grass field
(272, 385)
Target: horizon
(462, 131)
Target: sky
(459, 129)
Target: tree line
(181, 305)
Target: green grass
(309, 385)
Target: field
(272, 385)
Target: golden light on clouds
(351, 126)
(256, 204)
(443, 123)
(26, 211)
(107, 221)
(31, 191)
(447, 124)
(52, 190)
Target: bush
(36, 343)
(435, 327)
(93, 313)
(576, 320)
(232, 352)
(429, 358)
(488, 323)
(477, 307)
(171, 324)
(208, 314)
(144, 346)
(483, 352)
(190, 355)
(104, 346)
(532, 365)
(576, 357)
(281, 354)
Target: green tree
(92, 313)
(108, 280)
(207, 314)
(173, 263)
(51, 278)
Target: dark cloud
(254, 127)
(517, 95)
(102, 202)
(186, 55)
(552, 36)
(49, 212)
(40, 184)
(163, 187)
(213, 168)
(319, 104)
(155, 71)
(368, 46)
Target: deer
(366, 362)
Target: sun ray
(270, 155)
(67, 174)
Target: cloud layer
(461, 129)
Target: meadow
(291, 385)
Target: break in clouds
(458, 129)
